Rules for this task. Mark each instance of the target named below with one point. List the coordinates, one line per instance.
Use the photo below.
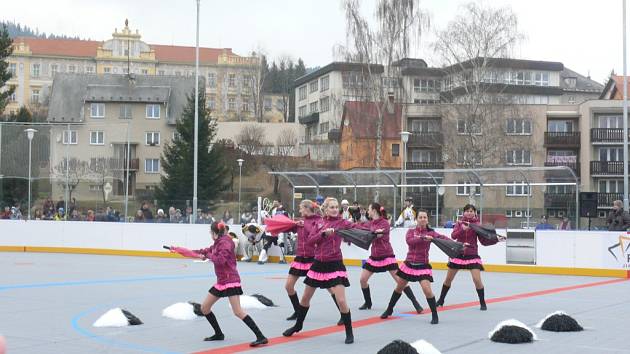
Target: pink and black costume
(221, 253)
(328, 269)
(416, 266)
(470, 259)
(382, 258)
(305, 253)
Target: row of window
(97, 137)
(324, 106)
(36, 69)
(512, 157)
(514, 126)
(323, 84)
(97, 110)
(515, 189)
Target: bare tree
(286, 142)
(69, 173)
(399, 25)
(105, 169)
(256, 82)
(472, 49)
(252, 139)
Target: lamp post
(404, 136)
(240, 169)
(30, 133)
(196, 130)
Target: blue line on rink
(124, 280)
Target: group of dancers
(319, 259)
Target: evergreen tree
(176, 185)
(6, 49)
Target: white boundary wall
(571, 249)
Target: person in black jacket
(618, 219)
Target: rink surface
(48, 303)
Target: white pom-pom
(251, 303)
(112, 318)
(424, 347)
(180, 311)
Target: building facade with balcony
(117, 125)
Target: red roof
(618, 89)
(81, 48)
(362, 118)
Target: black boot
(340, 322)
(301, 315)
(347, 321)
(443, 293)
(295, 302)
(368, 299)
(260, 338)
(433, 307)
(413, 299)
(218, 335)
(392, 302)
(482, 299)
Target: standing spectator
(345, 210)
(90, 215)
(16, 213)
(161, 217)
(6, 214)
(147, 215)
(189, 215)
(210, 217)
(61, 215)
(178, 217)
(171, 215)
(47, 205)
(618, 219)
(227, 217)
(60, 204)
(38, 215)
(139, 216)
(566, 224)
(75, 216)
(544, 224)
(72, 205)
(274, 207)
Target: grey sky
(584, 35)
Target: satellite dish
(441, 190)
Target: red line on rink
(375, 320)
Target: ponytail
(218, 227)
(380, 209)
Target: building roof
(511, 64)
(87, 49)
(71, 91)
(337, 66)
(583, 83)
(614, 88)
(361, 118)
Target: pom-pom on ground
(559, 322)
(117, 318)
(184, 311)
(398, 347)
(512, 332)
(424, 347)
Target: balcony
(605, 200)
(562, 139)
(425, 139)
(312, 118)
(425, 200)
(607, 168)
(435, 165)
(334, 135)
(575, 166)
(556, 200)
(607, 135)
(121, 164)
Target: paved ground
(48, 303)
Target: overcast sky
(584, 35)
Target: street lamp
(30, 133)
(240, 169)
(404, 136)
(196, 129)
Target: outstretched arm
(186, 252)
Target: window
(107, 70)
(517, 189)
(125, 71)
(611, 154)
(125, 111)
(54, 68)
(267, 104)
(323, 128)
(178, 73)
(13, 69)
(610, 122)
(232, 104)
(302, 92)
(302, 111)
(560, 126)
(89, 69)
(465, 157)
(421, 85)
(425, 126)
(464, 188)
(610, 186)
(95, 187)
(571, 99)
(324, 83)
(152, 138)
(72, 69)
(97, 138)
(245, 105)
(153, 111)
(508, 213)
(212, 80)
(69, 137)
(312, 86)
(13, 96)
(324, 104)
(247, 82)
(97, 110)
(35, 71)
(152, 165)
(466, 127)
(232, 80)
(518, 157)
(602, 214)
(115, 70)
(35, 96)
(145, 72)
(519, 126)
(175, 136)
(211, 103)
(541, 79)
(161, 72)
(313, 107)
(418, 155)
(395, 149)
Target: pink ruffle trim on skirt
(381, 263)
(465, 261)
(222, 287)
(326, 276)
(301, 266)
(415, 272)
